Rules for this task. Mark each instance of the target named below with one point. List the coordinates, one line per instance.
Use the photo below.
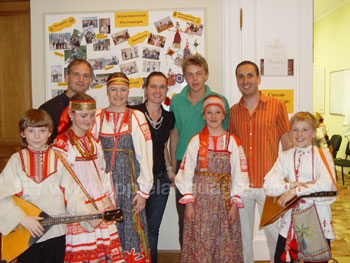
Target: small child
(306, 172)
(321, 139)
(36, 175)
(84, 154)
(212, 177)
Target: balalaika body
(18, 241)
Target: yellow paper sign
(101, 36)
(99, 86)
(287, 96)
(58, 54)
(62, 25)
(62, 83)
(131, 19)
(186, 17)
(138, 38)
(108, 67)
(135, 83)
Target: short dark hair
(78, 62)
(155, 74)
(34, 118)
(247, 62)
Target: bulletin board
(339, 91)
(133, 42)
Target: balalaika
(18, 241)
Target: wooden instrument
(272, 211)
(18, 241)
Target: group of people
(223, 161)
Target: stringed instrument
(18, 241)
(272, 211)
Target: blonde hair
(34, 118)
(304, 116)
(196, 60)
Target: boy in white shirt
(306, 172)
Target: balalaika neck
(69, 219)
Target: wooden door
(15, 73)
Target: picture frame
(339, 91)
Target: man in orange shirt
(260, 122)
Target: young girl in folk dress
(84, 155)
(212, 177)
(126, 140)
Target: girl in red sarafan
(212, 177)
(84, 155)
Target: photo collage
(159, 43)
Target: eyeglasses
(78, 75)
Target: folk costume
(38, 177)
(188, 122)
(177, 37)
(303, 165)
(85, 157)
(127, 144)
(213, 176)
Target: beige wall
(331, 45)
(40, 7)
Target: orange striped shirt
(259, 134)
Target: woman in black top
(161, 122)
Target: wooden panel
(6, 150)
(14, 7)
(15, 73)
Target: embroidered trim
(186, 199)
(38, 165)
(142, 194)
(239, 204)
(79, 143)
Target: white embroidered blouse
(306, 168)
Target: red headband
(214, 100)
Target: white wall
(40, 7)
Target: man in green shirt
(187, 107)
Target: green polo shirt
(189, 119)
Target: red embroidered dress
(85, 156)
(210, 237)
